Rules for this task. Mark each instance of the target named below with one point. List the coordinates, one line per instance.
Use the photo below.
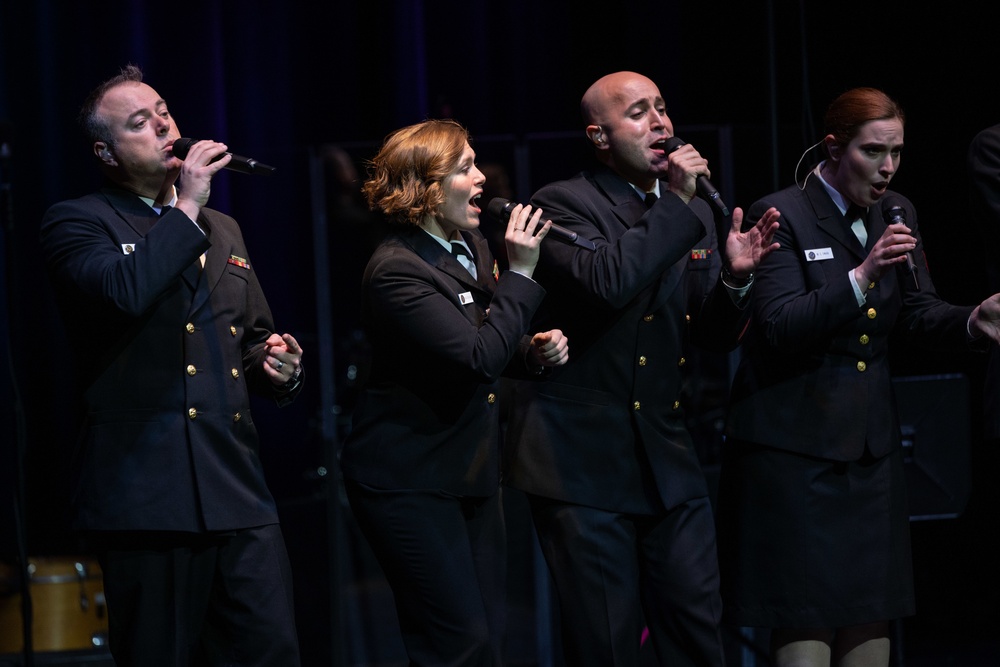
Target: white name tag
(465, 298)
(127, 248)
(817, 254)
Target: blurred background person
(984, 205)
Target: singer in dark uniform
(600, 447)
(422, 461)
(171, 331)
(813, 521)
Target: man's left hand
(746, 250)
(282, 359)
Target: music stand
(935, 427)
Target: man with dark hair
(171, 331)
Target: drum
(67, 599)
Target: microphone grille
(672, 144)
(892, 207)
(182, 146)
(499, 208)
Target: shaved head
(608, 92)
(626, 120)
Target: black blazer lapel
(626, 205)
(205, 279)
(876, 226)
(135, 212)
(829, 218)
(482, 256)
(437, 256)
(628, 208)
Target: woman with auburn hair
(813, 523)
(422, 462)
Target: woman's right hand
(888, 251)
(522, 244)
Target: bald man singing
(600, 446)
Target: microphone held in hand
(893, 212)
(500, 208)
(705, 187)
(244, 165)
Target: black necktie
(650, 199)
(461, 253)
(854, 212)
(459, 250)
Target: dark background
(282, 82)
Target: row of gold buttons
(191, 370)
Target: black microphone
(705, 187)
(244, 165)
(500, 209)
(894, 212)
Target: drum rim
(83, 570)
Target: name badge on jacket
(817, 254)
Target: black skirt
(811, 543)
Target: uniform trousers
(444, 557)
(612, 571)
(191, 599)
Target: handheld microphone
(244, 165)
(705, 187)
(500, 209)
(893, 212)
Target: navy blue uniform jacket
(429, 417)
(607, 430)
(166, 356)
(815, 378)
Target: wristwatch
(736, 283)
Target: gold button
(871, 286)
(491, 398)
(189, 327)
(232, 330)
(642, 360)
(864, 339)
(677, 404)
(862, 366)
(681, 361)
(687, 318)
(191, 370)
(236, 374)
(871, 313)
(237, 417)
(636, 406)
(647, 318)
(192, 413)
